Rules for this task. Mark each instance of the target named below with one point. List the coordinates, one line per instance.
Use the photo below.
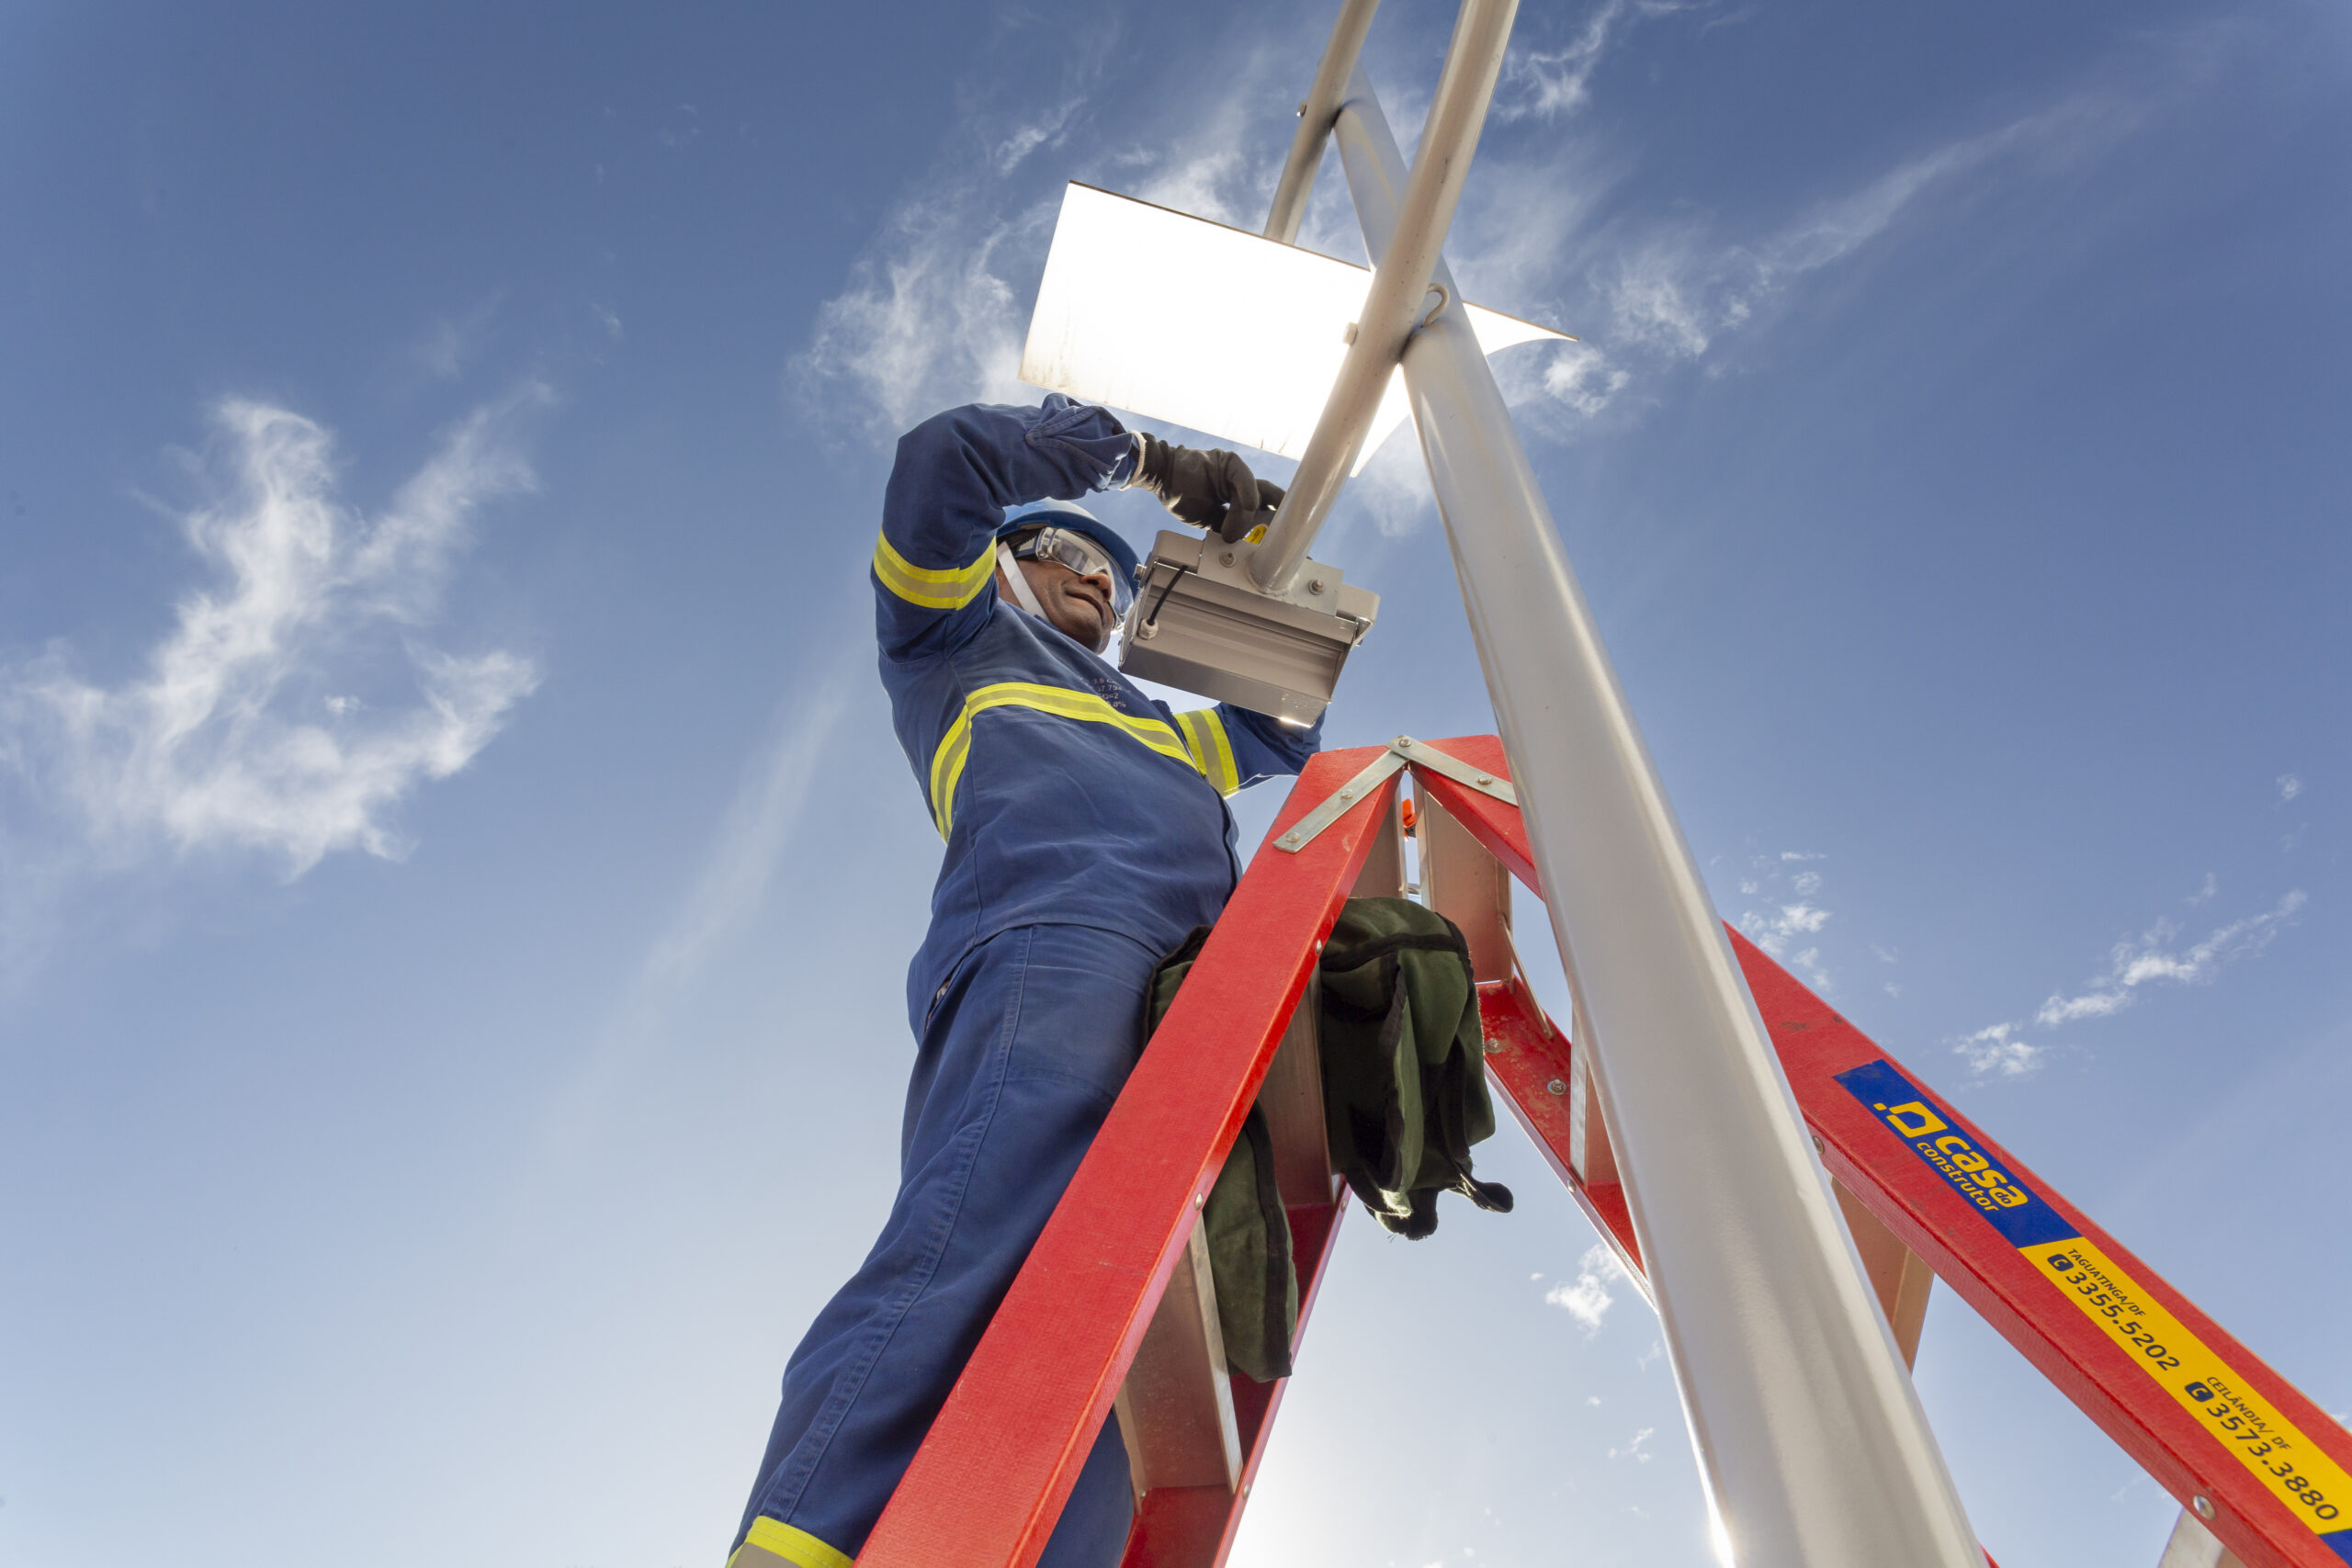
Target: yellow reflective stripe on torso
(947, 762)
(796, 1547)
(933, 587)
(1212, 749)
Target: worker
(1086, 835)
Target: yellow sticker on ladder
(2293, 1467)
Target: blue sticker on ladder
(2008, 1204)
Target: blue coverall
(1086, 835)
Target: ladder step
(1175, 1409)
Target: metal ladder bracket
(1400, 752)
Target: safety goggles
(1081, 554)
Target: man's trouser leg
(1021, 1060)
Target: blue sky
(456, 874)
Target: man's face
(1078, 607)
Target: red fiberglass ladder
(1112, 1311)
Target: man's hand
(1212, 490)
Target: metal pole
(1316, 113)
(1399, 286)
(1810, 1434)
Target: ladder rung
(1175, 1408)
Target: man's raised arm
(956, 472)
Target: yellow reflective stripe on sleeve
(794, 1546)
(947, 762)
(933, 588)
(1196, 744)
(1212, 749)
(947, 767)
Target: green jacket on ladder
(1404, 1097)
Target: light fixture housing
(1200, 623)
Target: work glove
(1212, 490)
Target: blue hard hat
(1078, 520)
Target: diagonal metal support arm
(1316, 113)
(1399, 283)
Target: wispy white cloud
(1588, 1297)
(931, 317)
(1632, 1448)
(934, 312)
(1652, 291)
(1675, 292)
(1581, 377)
(1547, 83)
(1790, 913)
(1394, 491)
(1658, 301)
(1045, 130)
(2153, 958)
(681, 129)
(1795, 918)
(746, 855)
(935, 309)
(295, 702)
(1995, 1052)
(1219, 184)
(452, 343)
(2289, 786)
(748, 849)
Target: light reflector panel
(1179, 319)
